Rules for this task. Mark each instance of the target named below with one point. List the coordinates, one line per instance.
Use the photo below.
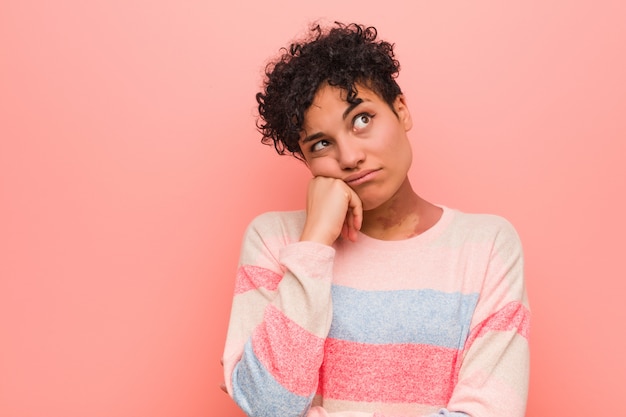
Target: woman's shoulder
(284, 224)
(483, 224)
(482, 219)
(274, 218)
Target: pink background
(130, 165)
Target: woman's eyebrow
(351, 107)
(312, 137)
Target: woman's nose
(351, 154)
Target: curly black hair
(341, 55)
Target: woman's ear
(402, 110)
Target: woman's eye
(319, 145)
(362, 120)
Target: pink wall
(130, 165)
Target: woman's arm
(494, 371)
(280, 316)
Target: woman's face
(365, 144)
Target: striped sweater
(434, 325)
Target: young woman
(372, 301)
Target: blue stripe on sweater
(402, 316)
(258, 394)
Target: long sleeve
(281, 314)
(494, 371)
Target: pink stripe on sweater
(289, 352)
(251, 277)
(513, 316)
(388, 373)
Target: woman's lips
(361, 177)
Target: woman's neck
(405, 215)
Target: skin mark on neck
(404, 219)
(399, 213)
(399, 220)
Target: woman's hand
(333, 209)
